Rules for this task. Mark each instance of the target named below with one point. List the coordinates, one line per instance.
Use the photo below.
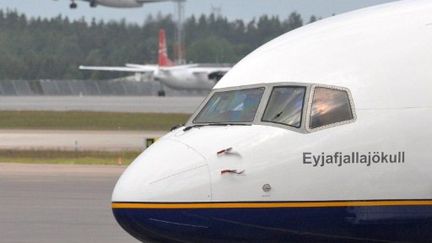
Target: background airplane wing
(177, 67)
(142, 66)
(141, 69)
(164, 68)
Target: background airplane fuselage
(120, 3)
(184, 79)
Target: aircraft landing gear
(161, 93)
(73, 5)
(93, 3)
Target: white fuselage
(364, 179)
(184, 79)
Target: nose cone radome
(168, 171)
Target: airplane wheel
(73, 5)
(161, 93)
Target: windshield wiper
(215, 124)
(228, 124)
(277, 115)
(191, 126)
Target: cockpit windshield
(285, 106)
(231, 106)
(282, 104)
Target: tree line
(41, 48)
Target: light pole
(180, 9)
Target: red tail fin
(163, 54)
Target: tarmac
(70, 203)
(102, 103)
(76, 140)
(58, 203)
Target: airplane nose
(169, 171)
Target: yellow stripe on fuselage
(320, 204)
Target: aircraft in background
(115, 3)
(321, 135)
(189, 76)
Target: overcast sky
(233, 9)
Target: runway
(76, 140)
(58, 203)
(101, 103)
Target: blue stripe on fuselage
(323, 224)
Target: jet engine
(216, 76)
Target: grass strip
(67, 157)
(89, 120)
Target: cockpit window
(330, 106)
(285, 106)
(231, 106)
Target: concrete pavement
(101, 103)
(58, 203)
(80, 140)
